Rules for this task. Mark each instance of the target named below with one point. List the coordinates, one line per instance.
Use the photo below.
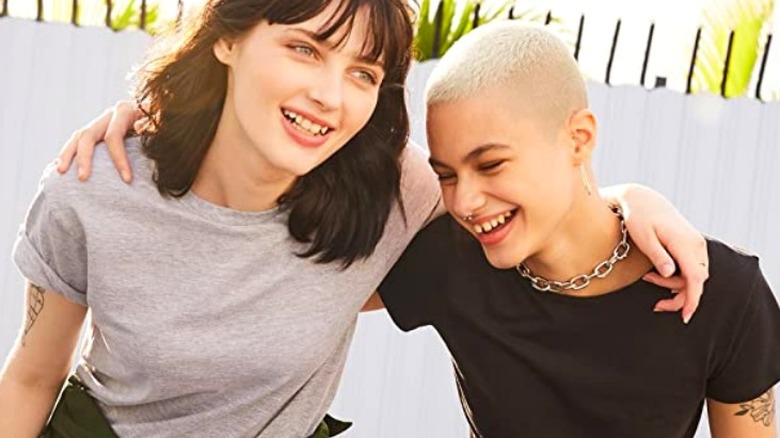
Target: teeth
(488, 226)
(304, 124)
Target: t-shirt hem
(751, 394)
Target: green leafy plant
(441, 24)
(125, 14)
(748, 19)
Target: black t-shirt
(539, 364)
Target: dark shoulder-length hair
(339, 208)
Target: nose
(327, 91)
(467, 199)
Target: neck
(235, 175)
(586, 237)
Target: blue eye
(304, 50)
(366, 76)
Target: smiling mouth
(305, 125)
(491, 226)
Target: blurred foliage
(749, 19)
(440, 23)
(449, 20)
(125, 14)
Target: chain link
(582, 281)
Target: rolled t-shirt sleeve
(412, 291)
(50, 250)
(751, 360)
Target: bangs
(388, 36)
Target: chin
(305, 164)
(502, 261)
(298, 167)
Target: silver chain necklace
(582, 281)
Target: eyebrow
(362, 58)
(473, 155)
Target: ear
(224, 50)
(582, 129)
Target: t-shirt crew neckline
(226, 215)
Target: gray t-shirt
(204, 322)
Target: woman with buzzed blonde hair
(536, 287)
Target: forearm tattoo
(35, 297)
(761, 409)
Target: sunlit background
(716, 159)
(676, 23)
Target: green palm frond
(457, 19)
(127, 14)
(748, 19)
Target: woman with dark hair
(274, 138)
(224, 282)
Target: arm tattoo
(761, 409)
(35, 297)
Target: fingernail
(686, 319)
(657, 309)
(81, 173)
(667, 269)
(125, 176)
(646, 277)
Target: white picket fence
(716, 160)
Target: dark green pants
(77, 415)
(330, 427)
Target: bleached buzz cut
(528, 62)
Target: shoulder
(442, 242)
(67, 190)
(735, 281)
(730, 267)
(440, 229)
(431, 250)
(440, 257)
(414, 288)
(741, 315)
(103, 169)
